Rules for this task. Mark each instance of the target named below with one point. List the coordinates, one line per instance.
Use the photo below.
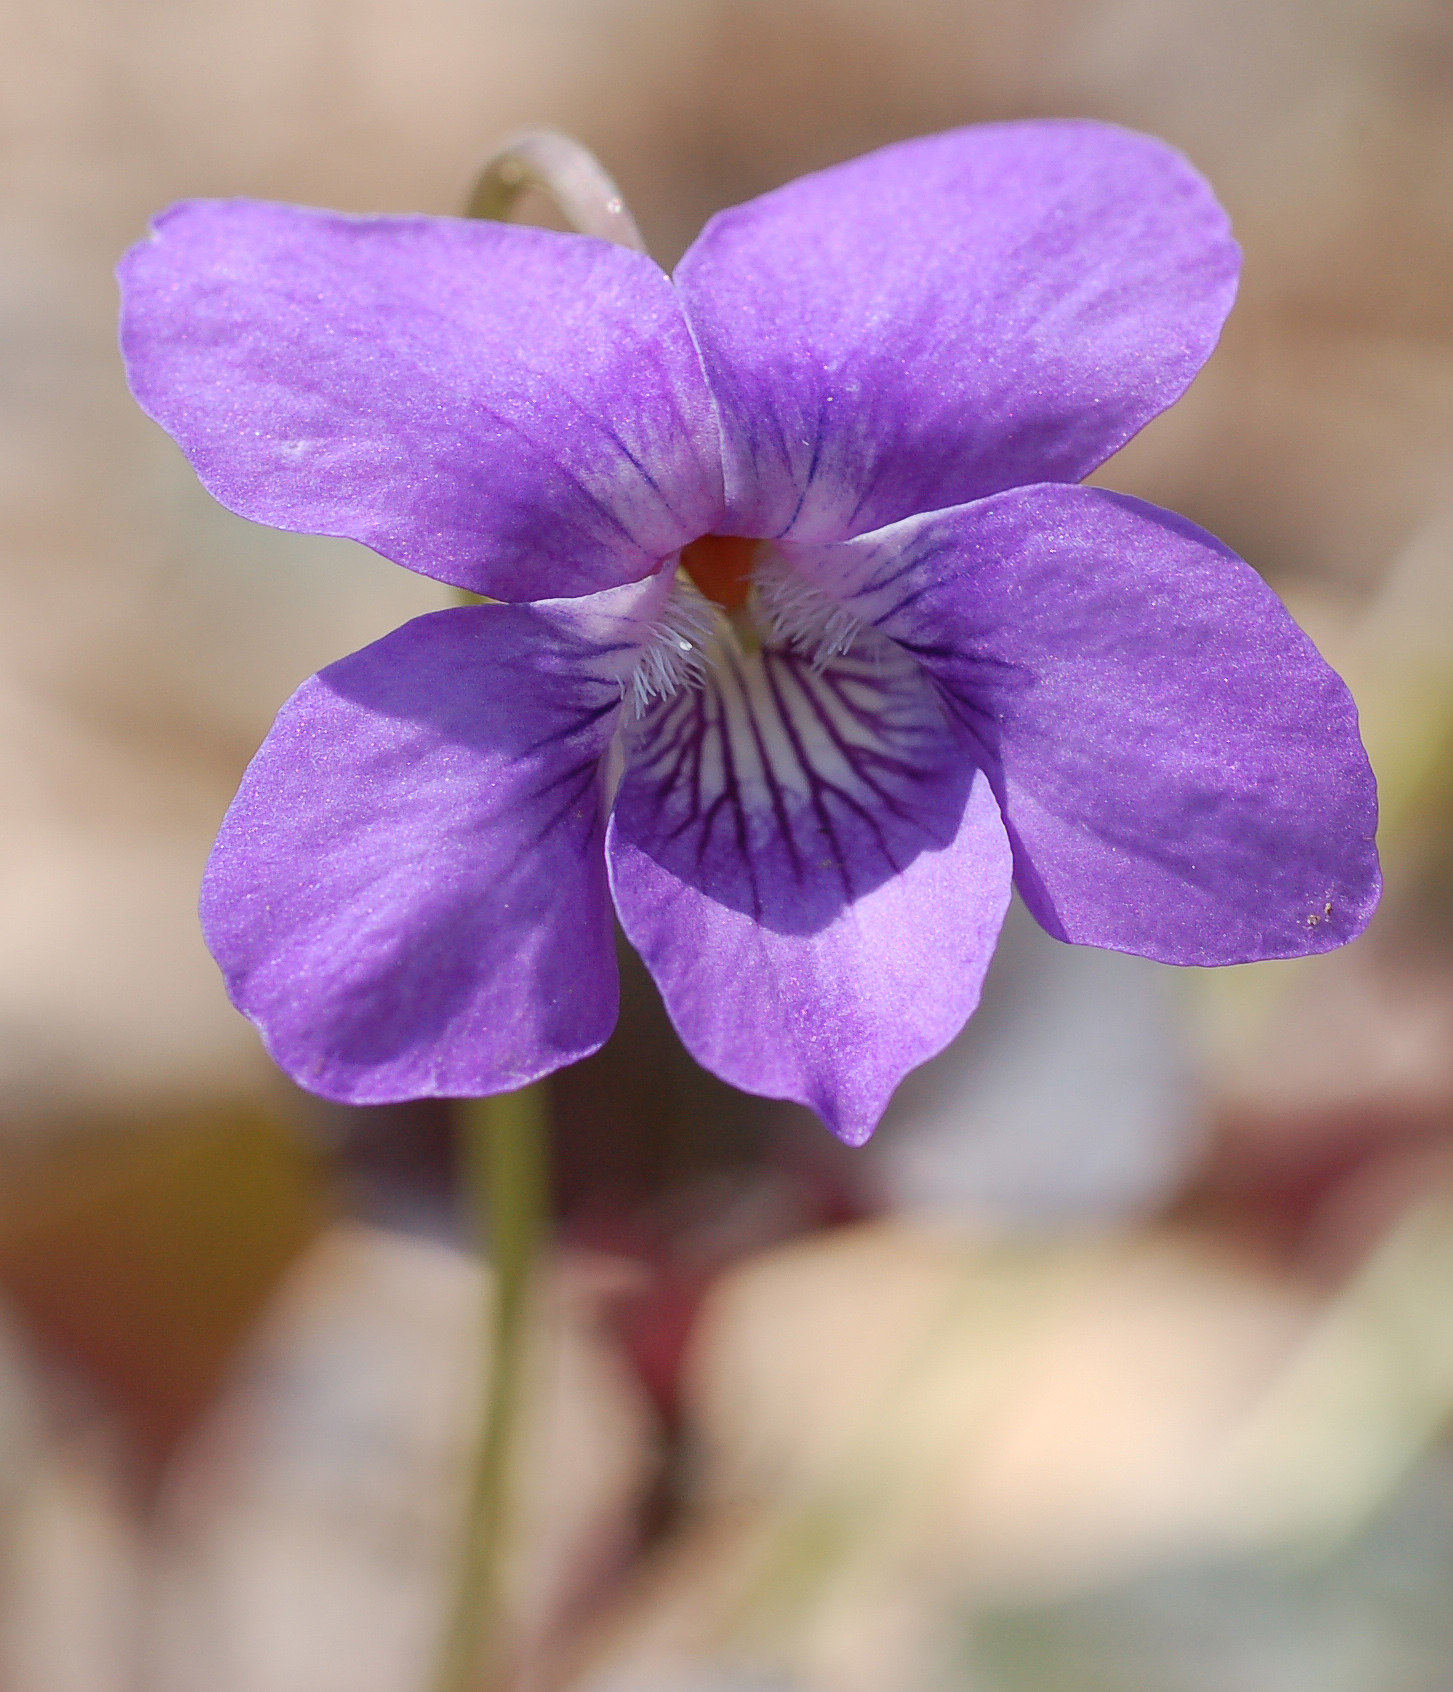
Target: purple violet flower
(816, 639)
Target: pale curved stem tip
(568, 173)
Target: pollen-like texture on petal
(950, 317)
(1180, 771)
(408, 895)
(515, 411)
(813, 871)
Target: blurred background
(1120, 1361)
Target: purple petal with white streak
(518, 412)
(408, 896)
(952, 316)
(814, 873)
(1180, 771)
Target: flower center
(721, 566)
(742, 594)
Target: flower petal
(952, 316)
(515, 411)
(408, 895)
(813, 872)
(1180, 772)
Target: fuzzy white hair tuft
(795, 612)
(675, 655)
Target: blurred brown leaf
(144, 1254)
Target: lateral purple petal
(408, 896)
(814, 873)
(950, 317)
(1180, 772)
(515, 411)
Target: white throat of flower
(783, 610)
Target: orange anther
(721, 566)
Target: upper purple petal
(408, 895)
(813, 871)
(518, 412)
(950, 317)
(1180, 771)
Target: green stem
(565, 172)
(504, 1142)
(505, 1139)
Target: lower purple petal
(1180, 771)
(408, 896)
(814, 873)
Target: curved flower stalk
(814, 640)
